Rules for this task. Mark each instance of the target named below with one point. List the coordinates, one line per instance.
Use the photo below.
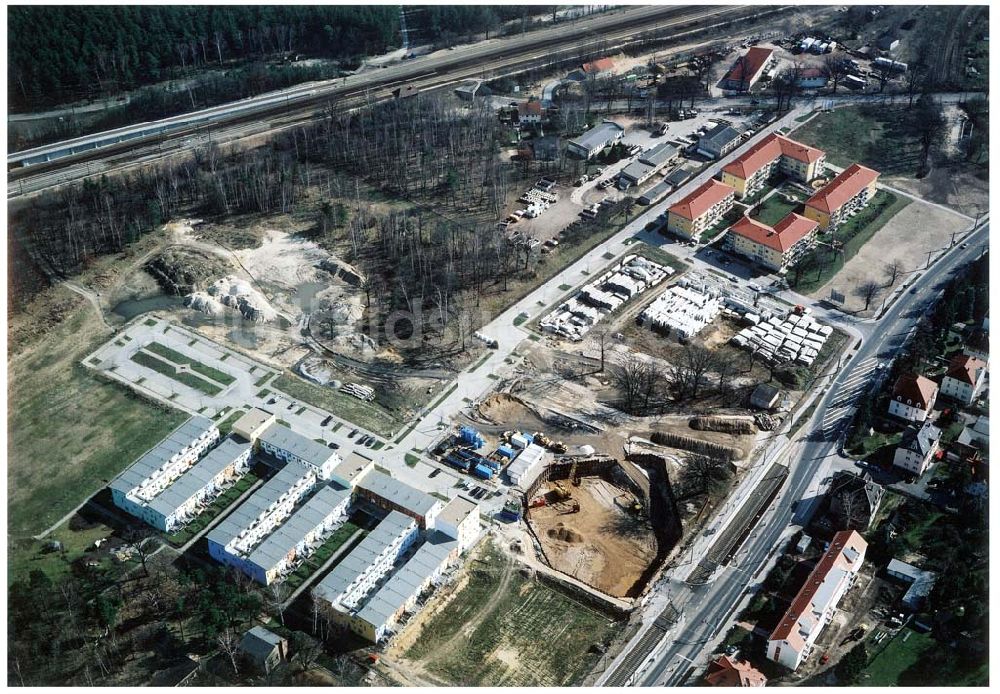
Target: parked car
(326, 420)
(333, 445)
(352, 434)
(435, 472)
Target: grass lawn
(365, 414)
(322, 553)
(513, 632)
(853, 235)
(196, 366)
(773, 210)
(27, 555)
(70, 431)
(221, 503)
(411, 460)
(881, 137)
(162, 367)
(226, 425)
(902, 652)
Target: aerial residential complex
(747, 173)
(168, 483)
(850, 191)
(773, 247)
(371, 587)
(792, 640)
(700, 209)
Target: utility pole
(928, 259)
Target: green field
(365, 414)
(70, 431)
(196, 366)
(29, 555)
(188, 379)
(906, 649)
(503, 629)
(773, 210)
(881, 137)
(226, 425)
(822, 263)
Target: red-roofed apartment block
(700, 209)
(812, 609)
(747, 69)
(774, 247)
(749, 171)
(848, 193)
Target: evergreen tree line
(60, 53)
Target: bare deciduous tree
(893, 270)
(867, 291)
(229, 643)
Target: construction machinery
(560, 493)
(574, 508)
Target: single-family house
(964, 379)
(263, 649)
(913, 397)
(917, 448)
(731, 672)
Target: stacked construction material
(797, 338)
(681, 311)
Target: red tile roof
(965, 369)
(766, 151)
(746, 70)
(810, 72)
(725, 672)
(917, 389)
(833, 558)
(530, 108)
(698, 202)
(781, 236)
(845, 186)
(599, 65)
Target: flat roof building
(354, 467)
(459, 520)
(648, 164)
(284, 444)
(158, 468)
(232, 540)
(389, 493)
(252, 424)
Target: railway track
(503, 59)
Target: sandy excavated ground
(907, 237)
(603, 545)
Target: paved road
(709, 608)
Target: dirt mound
(565, 534)
(183, 271)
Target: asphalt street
(708, 609)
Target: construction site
(592, 527)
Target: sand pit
(604, 545)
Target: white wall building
(792, 640)
(284, 444)
(913, 397)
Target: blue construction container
(530, 438)
(493, 465)
(482, 472)
(455, 461)
(466, 454)
(506, 451)
(470, 436)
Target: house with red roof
(811, 78)
(792, 640)
(774, 247)
(700, 209)
(529, 112)
(964, 378)
(913, 397)
(747, 69)
(729, 672)
(749, 171)
(848, 193)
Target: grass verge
(195, 365)
(365, 414)
(183, 377)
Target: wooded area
(62, 53)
